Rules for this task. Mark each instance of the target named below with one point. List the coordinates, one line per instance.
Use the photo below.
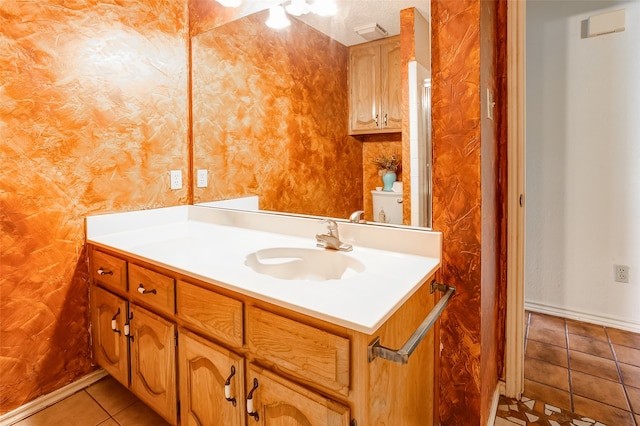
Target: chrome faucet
(331, 240)
(356, 217)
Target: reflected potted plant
(388, 166)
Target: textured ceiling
(355, 13)
(351, 14)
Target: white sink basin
(290, 263)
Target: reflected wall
(270, 116)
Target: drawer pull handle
(227, 387)
(250, 411)
(101, 271)
(376, 118)
(386, 122)
(142, 290)
(114, 326)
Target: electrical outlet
(176, 179)
(621, 273)
(201, 181)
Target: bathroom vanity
(222, 317)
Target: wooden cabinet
(203, 355)
(211, 383)
(110, 344)
(375, 87)
(153, 362)
(280, 402)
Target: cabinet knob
(227, 387)
(250, 410)
(102, 271)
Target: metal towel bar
(401, 356)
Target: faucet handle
(332, 226)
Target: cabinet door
(364, 87)
(391, 92)
(110, 345)
(276, 401)
(204, 370)
(153, 362)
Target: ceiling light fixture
(324, 7)
(277, 18)
(297, 8)
(230, 3)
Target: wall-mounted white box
(605, 23)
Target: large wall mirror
(270, 112)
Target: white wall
(583, 163)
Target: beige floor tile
(548, 353)
(111, 395)
(587, 330)
(634, 397)
(109, 422)
(77, 410)
(594, 365)
(547, 335)
(547, 321)
(139, 414)
(625, 338)
(546, 373)
(598, 389)
(602, 412)
(627, 355)
(548, 394)
(590, 346)
(630, 375)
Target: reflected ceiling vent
(371, 31)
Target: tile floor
(105, 403)
(576, 367)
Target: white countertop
(212, 245)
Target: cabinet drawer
(302, 350)
(152, 288)
(211, 313)
(109, 270)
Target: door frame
(514, 334)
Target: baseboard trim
(583, 316)
(44, 401)
(494, 403)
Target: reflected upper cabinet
(375, 97)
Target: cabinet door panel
(280, 402)
(153, 362)
(204, 368)
(364, 87)
(391, 93)
(110, 347)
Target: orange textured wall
(270, 118)
(465, 205)
(93, 115)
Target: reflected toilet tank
(387, 206)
